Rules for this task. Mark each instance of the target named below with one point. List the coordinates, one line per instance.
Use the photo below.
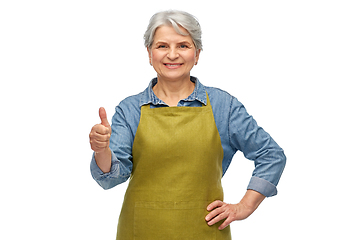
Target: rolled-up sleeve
(259, 146)
(121, 149)
(118, 174)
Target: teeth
(172, 65)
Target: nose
(173, 54)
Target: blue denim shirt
(237, 129)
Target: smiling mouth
(173, 65)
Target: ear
(150, 54)
(197, 54)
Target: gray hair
(175, 19)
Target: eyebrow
(161, 42)
(185, 42)
(164, 42)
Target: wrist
(252, 200)
(103, 160)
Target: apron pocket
(172, 220)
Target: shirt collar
(199, 94)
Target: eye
(162, 46)
(185, 46)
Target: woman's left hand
(229, 212)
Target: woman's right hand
(100, 133)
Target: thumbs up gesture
(100, 133)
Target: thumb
(103, 117)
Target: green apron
(177, 170)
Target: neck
(171, 92)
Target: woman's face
(173, 55)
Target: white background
(61, 60)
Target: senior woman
(175, 141)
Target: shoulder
(225, 105)
(131, 101)
(219, 97)
(129, 108)
(217, 91)
(136, 101)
